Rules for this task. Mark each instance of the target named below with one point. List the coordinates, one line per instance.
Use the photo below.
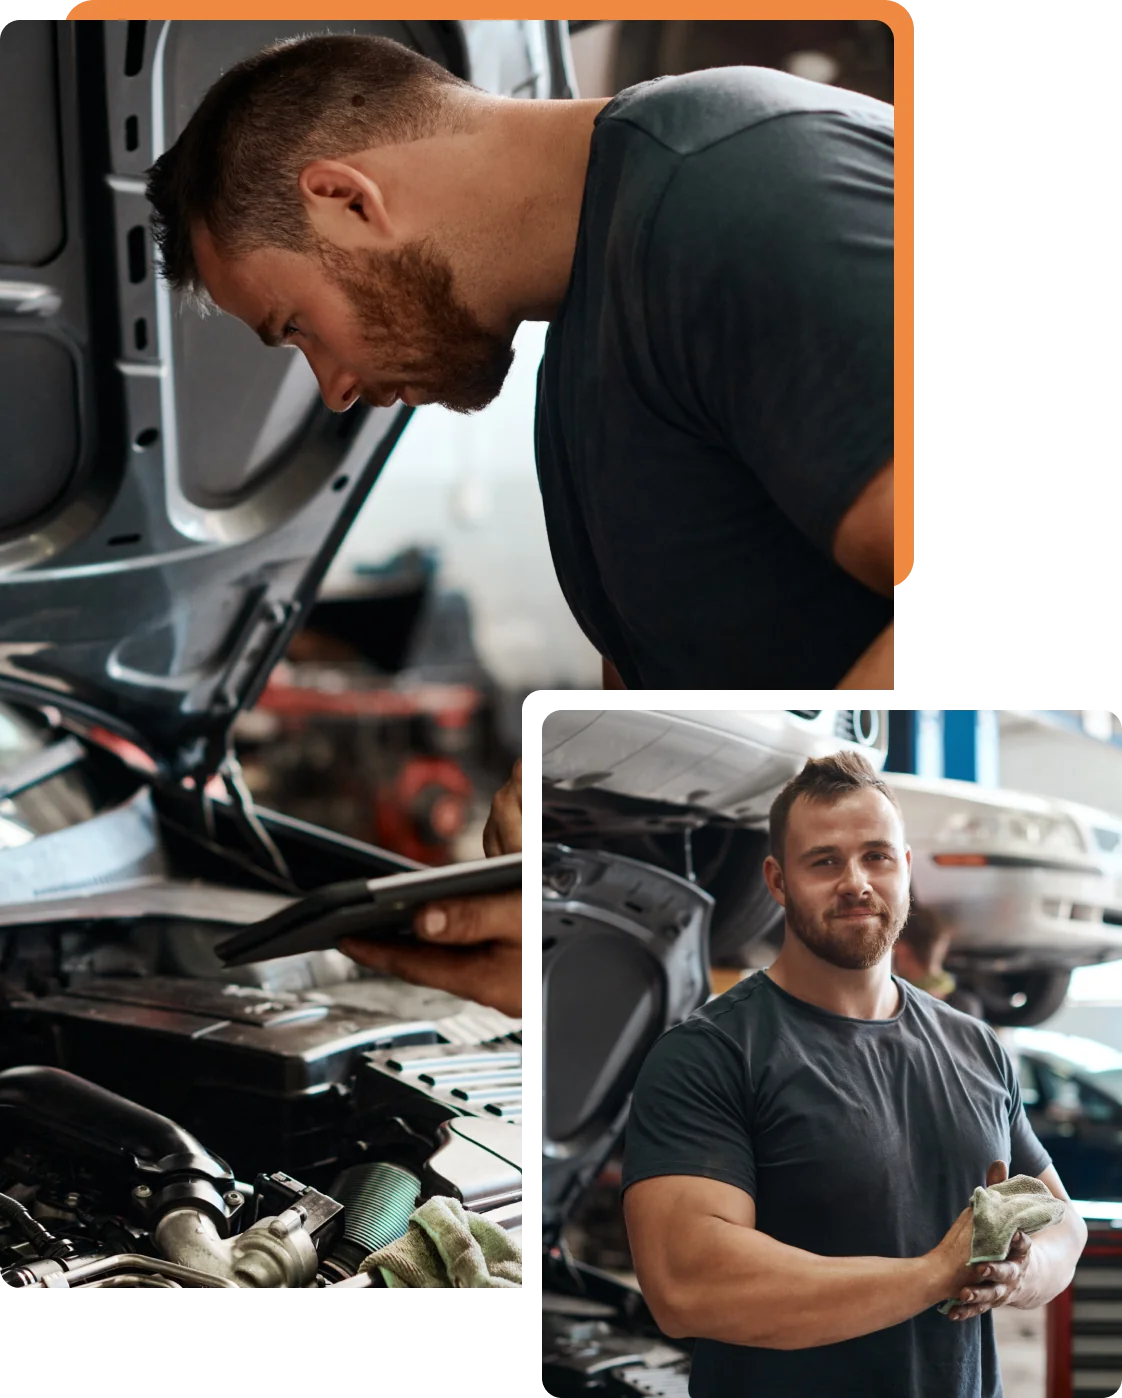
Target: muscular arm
(707, 1272)
(1054, 1252)
(863, 547)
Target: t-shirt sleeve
(689, 1113)
(1027, 1155)
(769, 285)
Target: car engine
(164, 1130)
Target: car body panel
(723, 763)
(1044, 895)
(194, 488)
(173, 495)
(625, 956)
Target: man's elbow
(863, 541)
(670, 1316)
(681, 1316)
(673, 1325)
(678, 1311)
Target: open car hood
(625, 955)
(173, 492)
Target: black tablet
(365, 907)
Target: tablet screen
(376, 907)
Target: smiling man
(714, 255)
(799, 1151)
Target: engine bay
(173, 1130)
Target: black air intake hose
(67, 1111)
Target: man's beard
(851, 946)
(418, 332)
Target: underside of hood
(173, 490)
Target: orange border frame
(887, 11)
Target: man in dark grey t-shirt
(714, 254)
(715, 418)
(799, 1152)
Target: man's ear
(345, 205)
(773, 877)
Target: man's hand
(476, 950)
(503, 832)
(987, 1284)
(476, 943)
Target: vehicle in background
(689, 791)
(1030, 886)
(1072, 1091)
(173, 494)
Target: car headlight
(1025, 832)
(965, 827)
(1057, 834)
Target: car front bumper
(1022, 917)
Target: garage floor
(1021, 1351)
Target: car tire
(729, 865)
(727, 861)
(745, 912)
(1044, 992)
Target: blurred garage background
(397, 711)
(1015, 823)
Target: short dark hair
(825, 779)
(235, 167)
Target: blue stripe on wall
(960, 744)
(971, 745)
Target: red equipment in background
(1085, 1321)
(423, 809)
(381, 762)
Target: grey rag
(1000, 1210)
(447, 1245)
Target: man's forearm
(611, 676)
(874, 669)
(1051, 1262)
(744, 1288)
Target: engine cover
(470, 1098)
(260, 1076)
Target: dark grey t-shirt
(717, 386)
(855, 1138)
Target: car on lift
(654, 828)
(1031, 887)
(173, 493)
(654, 820)
(689, 791)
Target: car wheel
(1019, 998)
(729, 865)
(745, 913)
(727, 862)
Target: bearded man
(799, 1151)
